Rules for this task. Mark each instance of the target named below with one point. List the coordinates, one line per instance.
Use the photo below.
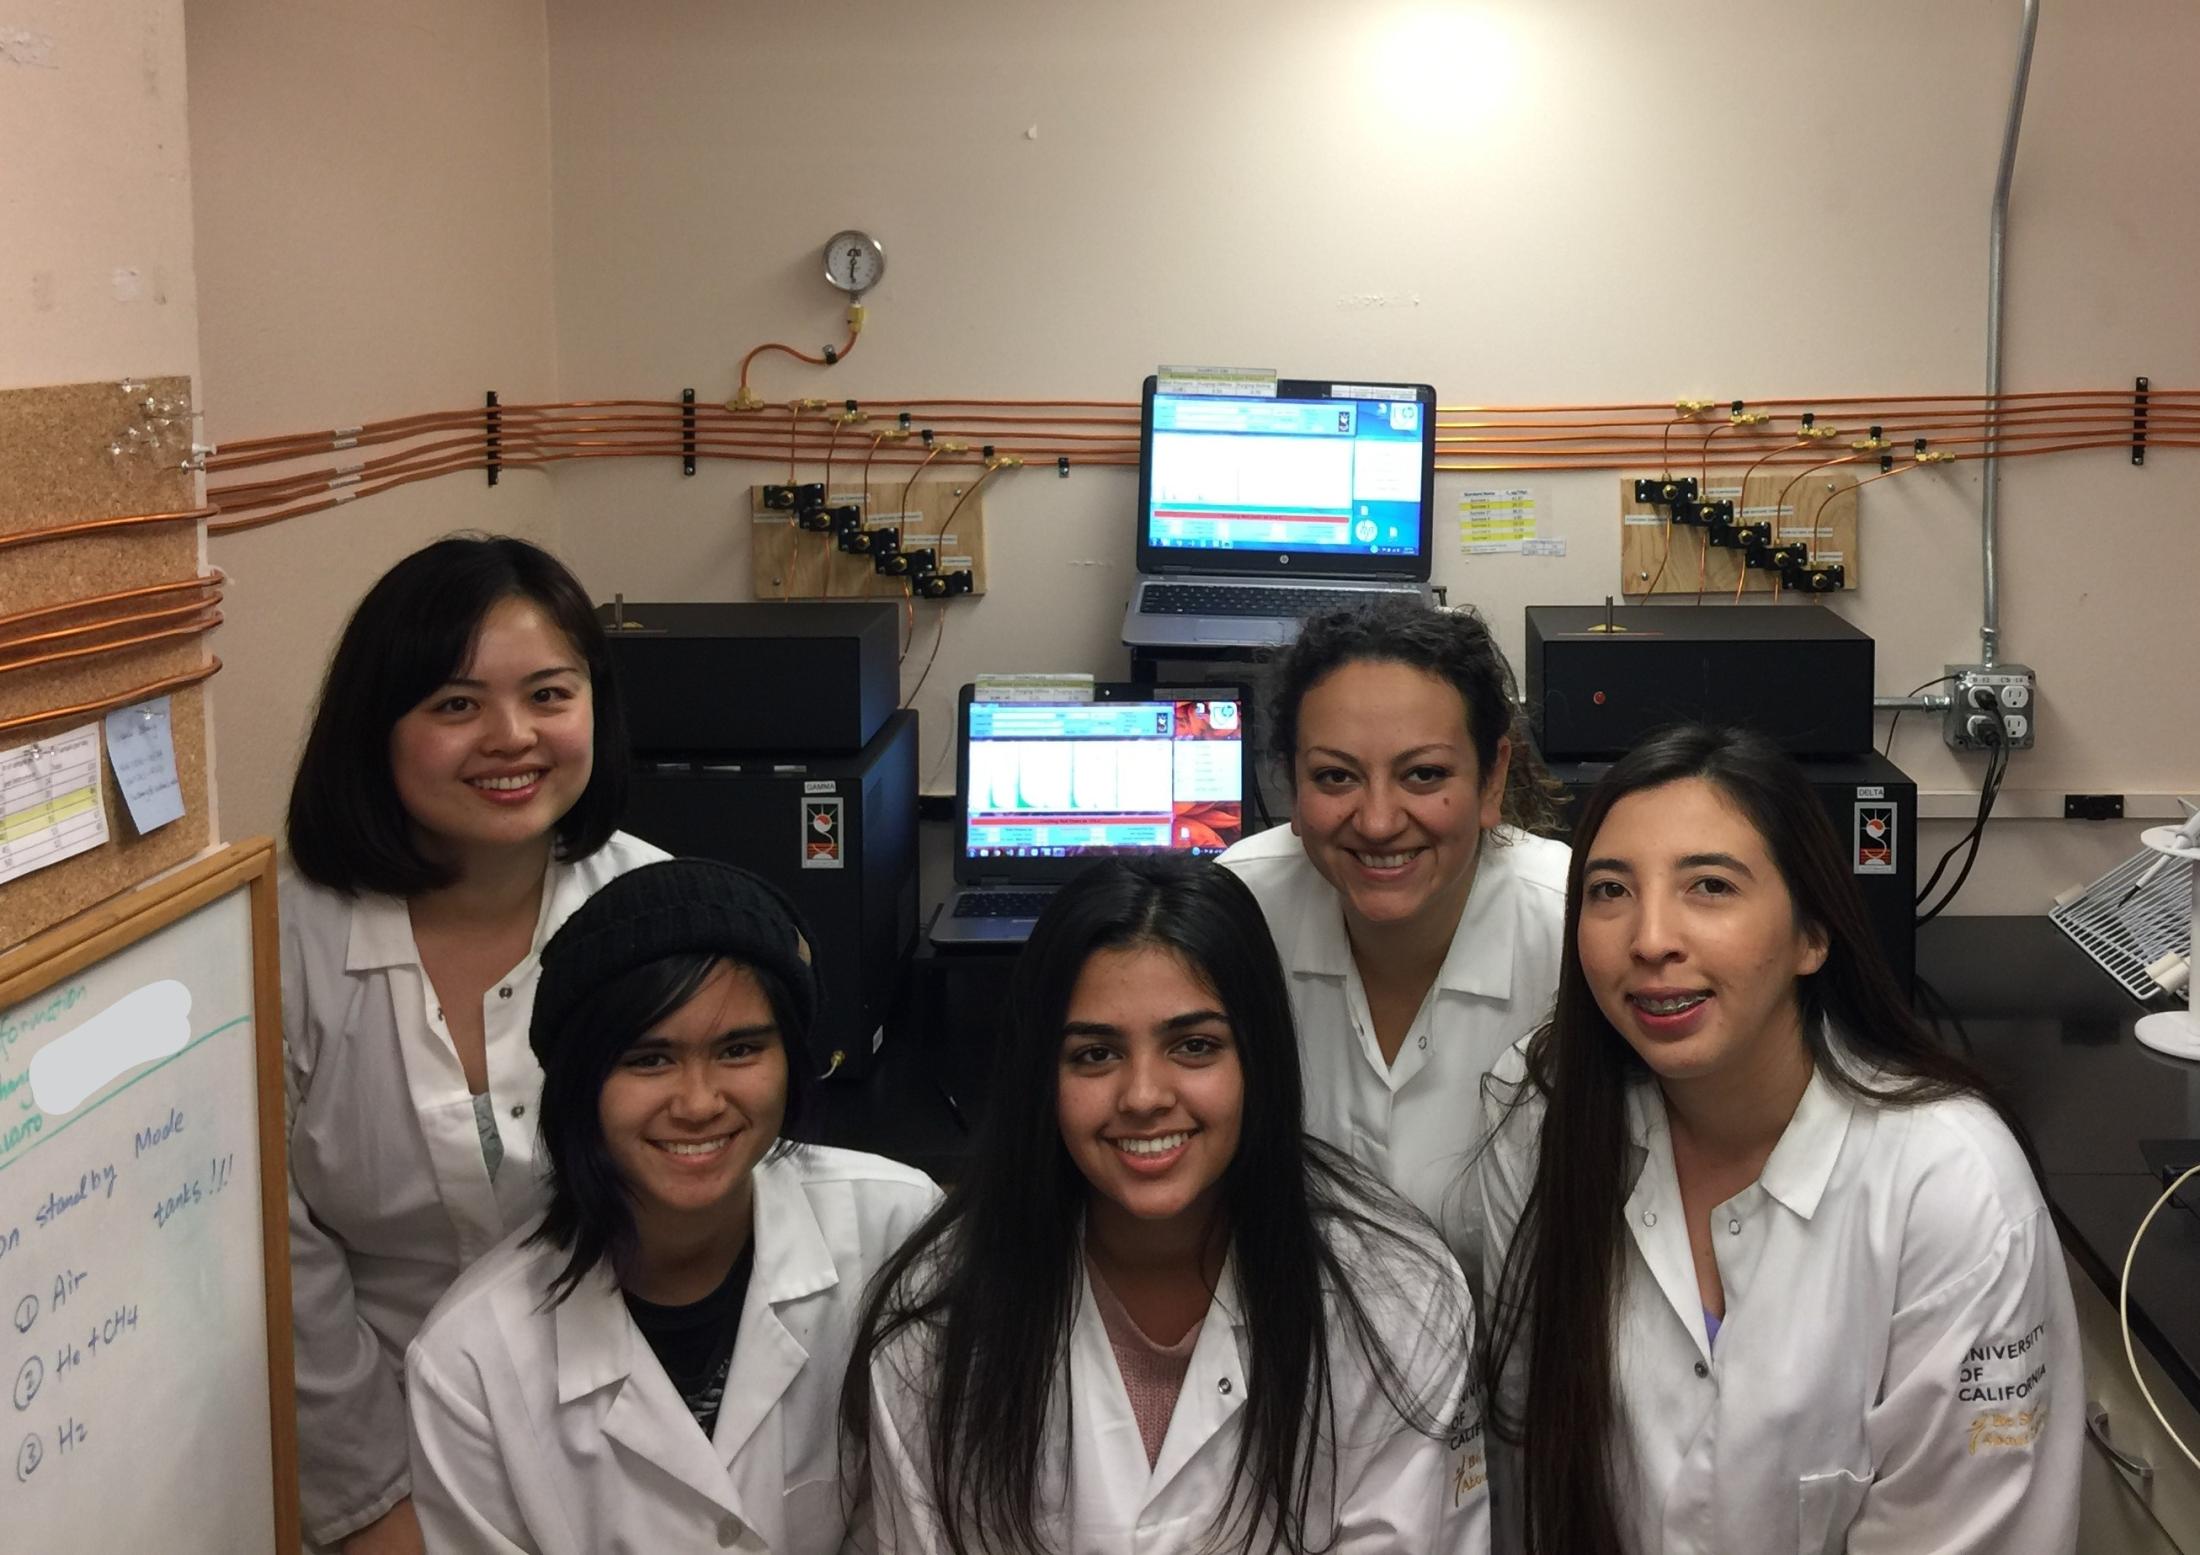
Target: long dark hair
(988, 1285)
(1566, 1254)
(1453, 645)
(413, 631)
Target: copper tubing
(121, 596)
(93, 628)
(902, 509)
(91, 526)
(969, 491)
(146, 692)
(801, 356)
(212, 619)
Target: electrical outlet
(2007, 692)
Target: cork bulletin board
(791, 563)
(87, 451)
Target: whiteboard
(134, 1328)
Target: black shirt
(694, 1343)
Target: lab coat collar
(792, 1261)
(599, 1347)
(1479, 962)
(1204, 1404)
(381, 934)
(381, 926)
(1797, 1171)
(1203, 1409)
(1654, 1210)
(1801, 1164)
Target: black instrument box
(838, 834)
(750, 679)
(1599, 678)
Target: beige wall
(1521, 202)
(95, 193)
(374, 238)
(400, 206)
(96, 265)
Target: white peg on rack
(2177, 1032)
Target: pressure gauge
(854, 261)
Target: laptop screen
(1066, 781)
(1328, 479)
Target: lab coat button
(504, 993)
(1223, 1386)
(1734, 1227)
(1649, 1217)
(729, 1532)
(520, 1111)
(1424, 1042)
(1702, 1370)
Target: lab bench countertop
(2055, 1034)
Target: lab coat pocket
(1826, 1504)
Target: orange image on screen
(1208, 823)
(1209, 720)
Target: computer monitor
(1325, 479)
(1045, 786)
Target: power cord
(1997, 767)
(1895, 722)
(2123, 1310)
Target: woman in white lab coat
(456, 799)
(1418, 921)
(1769, 1269)
(657, 1365)
(1153, 1315)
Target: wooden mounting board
(790, 563)
(1825, 499)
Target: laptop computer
(1255, 511)
(1044, 788)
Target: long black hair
(1456, 647)
(413, 631)
(987, 1288)
(1552, 1306)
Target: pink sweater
(1153, 1374)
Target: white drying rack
(2137, 920)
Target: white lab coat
(554, 1430)
(1415, 1123)
(389, 1195)
(1396, 1491)
(1898, 1368)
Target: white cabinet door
(2121, 1512)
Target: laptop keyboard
(1229, 599)
(1001, 904)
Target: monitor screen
(1065, 780)
(1319, 470)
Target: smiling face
(1388, 797)
(494, 757)
(1688, 937)
(693, 1104)
(1149, 1093)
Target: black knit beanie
(667, 909)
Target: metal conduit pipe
(1989, 631)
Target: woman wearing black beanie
(656, 1364)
